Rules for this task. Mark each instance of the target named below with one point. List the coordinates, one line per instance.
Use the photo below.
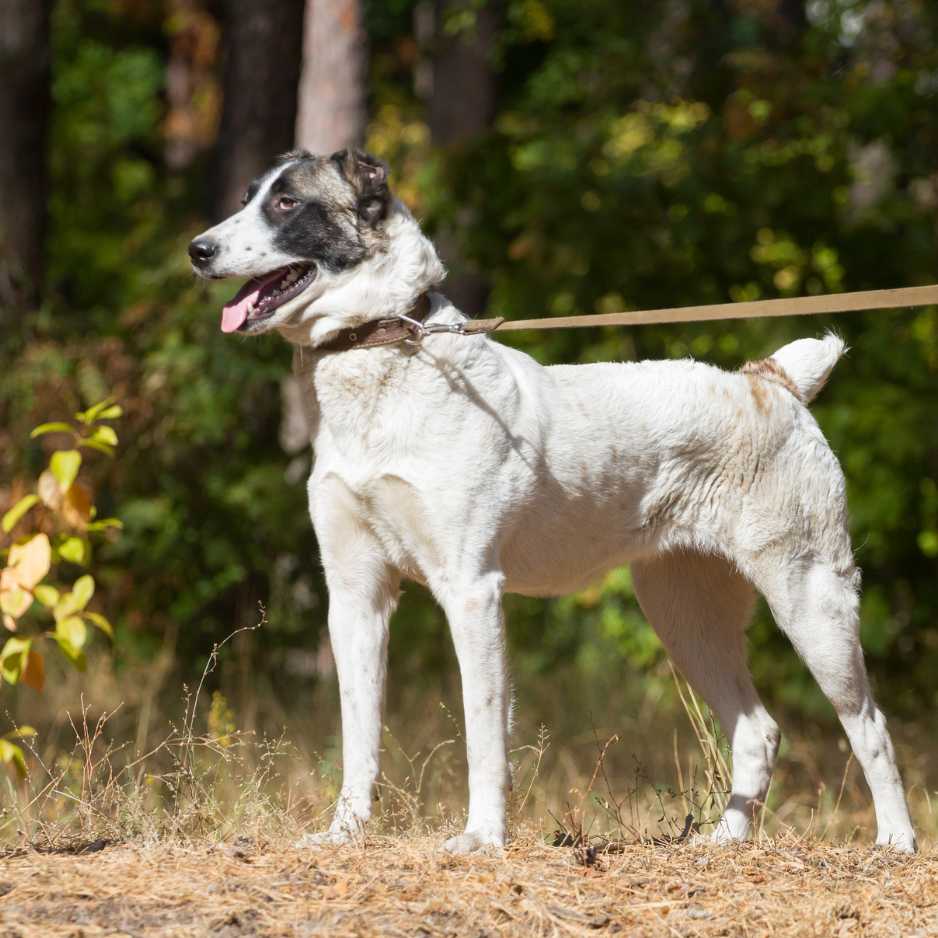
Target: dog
(460, 463)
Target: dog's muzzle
(202, 251)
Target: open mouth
(260, 297)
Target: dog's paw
(732, 828)
(472, 842)
(324, 839)
(722, 837)
(901, 842)
(716, 838)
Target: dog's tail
(802, 367)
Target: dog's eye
(285, 203)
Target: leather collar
(380, 331)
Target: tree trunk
(330, 115)
(192, 86)
(462, 98)
(462, 102)
(793, 19)
(24, 117)
(263, 49)
(331, 112)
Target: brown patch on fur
(758, 392)
(767, 369)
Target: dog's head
(310, 227)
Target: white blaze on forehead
(246, 239)
(263, 186)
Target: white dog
(463, 464)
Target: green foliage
(65, 509)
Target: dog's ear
(368, 176)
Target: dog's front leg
(475, 617)
(363, 592)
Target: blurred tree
(461, 103)
(331, 112)
(263, 45)
(192, 90)
(24, 111)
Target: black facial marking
(251, 191)
(312, 229)
(307, 232)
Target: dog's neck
(385, 285)
(351, 395)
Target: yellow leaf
(13, 658)
(83, 590)
(34, 674)
(101, 410)
(104, 523)
(47, 595)
(14, 602)
(90, 443)
(49, 491)
(97, 619)
(64, 465)
(106, 435)
(21, 732)
(31, 560)
(56, 427)
(11, 753)
(66, 606)
(73, 549)
(76, 506)
(12, 517)
(73, 631)
(75, 655)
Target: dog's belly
(567, 546)
(552, 543)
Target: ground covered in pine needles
(405, 886)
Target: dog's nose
(202, 250)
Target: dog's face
(304, 220)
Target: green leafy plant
(57, 521)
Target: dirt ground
(406, 887)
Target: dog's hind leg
(700, 606)
(817, 607)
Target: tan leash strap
(749, 309)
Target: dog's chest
(372, 445)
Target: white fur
(812, 360)
(244, 244)
(466, 465)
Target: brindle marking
(342, 200)
(769, 370)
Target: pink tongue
(235, 311)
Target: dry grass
(404, 886)
(188, 832)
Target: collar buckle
(422, 330)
